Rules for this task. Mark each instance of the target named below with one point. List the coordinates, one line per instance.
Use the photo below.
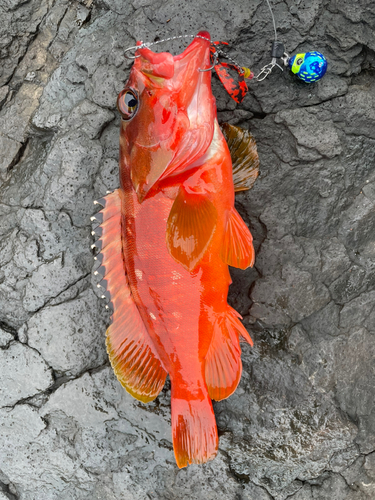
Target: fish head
(168, 113)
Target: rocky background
(302, 422)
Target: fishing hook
(216, 55)
(131, 48)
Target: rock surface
(302, 423)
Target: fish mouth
(175, 119)
(202, 35)
(159, 58)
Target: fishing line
(307, 66)
(242, 70)
(273, 19)
(144, 45)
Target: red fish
(167, 236)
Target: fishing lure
(309, 66)
(167, 236)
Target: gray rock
(354, 387)
(359, 312)
(287, 299)
(360, 476)
(48, 281)
(22, 334)
(360, 104)
(108, 178)
(358, 226)
(301, 425)
(324, 322)
(78, 399)
(310, 133)
(24, 373)
(36, 452)
(89, 118)
(80, 343)
(276, 253)
(4, 91)
(5, 338)
(335, 260)
(348, 285)
(10, 150)
(106, 84)
(16, 115)
(20, 20)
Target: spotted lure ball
(309, 67)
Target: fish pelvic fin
(194, 431)
(223, 366)
(131, 351)
(190, 227)
(244, 154)
(237, 249)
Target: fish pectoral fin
(244, 154)
(223, 366)
(237, 249)
(131, 351)
(190, 227)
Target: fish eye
(299, 61)
(127, 103)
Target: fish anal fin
(223, 366)
(244, 154)
(237, 249)
(190, 226)
(131, 351)
(194, 431)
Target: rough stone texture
(302, 422)
(24, 373)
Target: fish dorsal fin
(191, 224)
(243, 151)
(223, 365)
(131, 351)
(237, 249)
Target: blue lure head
(309, 66)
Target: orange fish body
(168, 234)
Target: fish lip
(200, 36)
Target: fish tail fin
(195, 439)
(223, 366)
